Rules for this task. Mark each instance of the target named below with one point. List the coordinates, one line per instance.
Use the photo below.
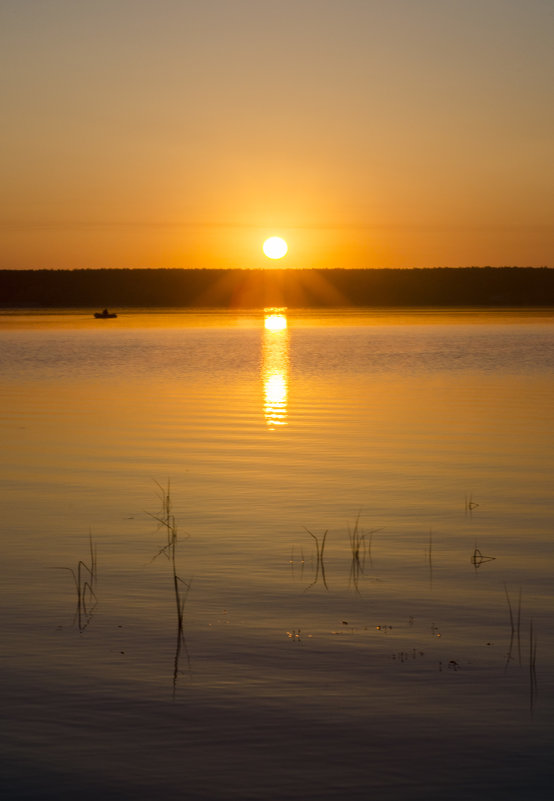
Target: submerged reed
(478, 559)
(166, 522)
(320, 564)
(84, 578)
(429, 557)
(360, 549)
(515, 627)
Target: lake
(278, 555)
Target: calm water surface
(407, 653)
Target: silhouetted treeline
(471, 286)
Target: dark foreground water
(406, 654)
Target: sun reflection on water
(275, 367)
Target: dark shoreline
(295, 288)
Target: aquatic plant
(515, 626)
(320, 564)
(84, 578)
(166, 522)
(429, 557)
(356, 539)
(478, 559)
(360, 548)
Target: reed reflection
(275, 367)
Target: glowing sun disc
(275, 247)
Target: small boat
(105, 315)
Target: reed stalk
(320, 564)
(84, 580)
(167, 522)
(515, 626)
(429, 557)
(360, 549)
(470, 504)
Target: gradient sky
(367, 133)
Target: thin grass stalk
(512, 627)
(93, 555)
(430, 557)
(166, 520)
(357, 548)
(509, 608)
(84, 579)
(320, 565)
(323, 544)
(370, 545)
(356, 541)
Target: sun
(275, 247)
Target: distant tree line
(247, 289)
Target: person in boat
(104, 314)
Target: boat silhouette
(105, 315)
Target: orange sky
(172, 133)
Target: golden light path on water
(275, 367)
